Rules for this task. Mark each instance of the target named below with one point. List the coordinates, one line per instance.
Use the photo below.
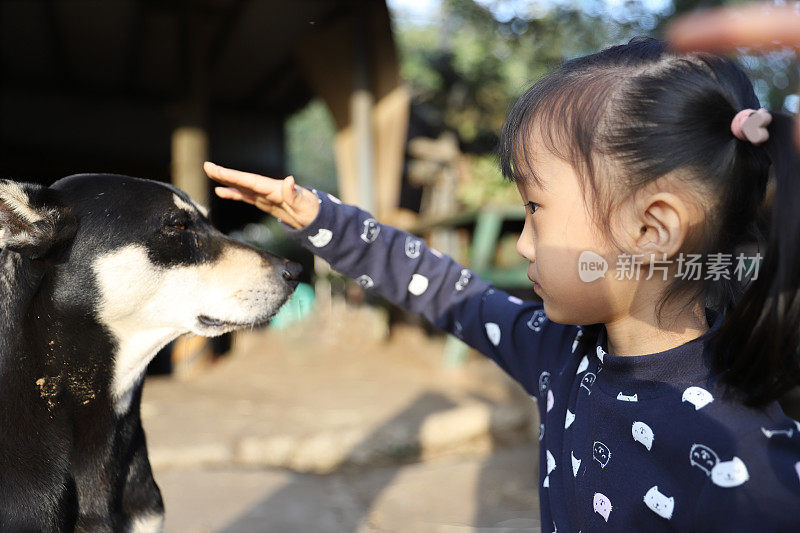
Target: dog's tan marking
(147, 523)
(146, 306)
(190, 206)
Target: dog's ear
(33, 220)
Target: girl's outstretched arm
(516, 334)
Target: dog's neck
(135, 349)
(16, 290)
(56, 336)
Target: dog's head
(141, 259)
(155, 260)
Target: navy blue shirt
(642, 443)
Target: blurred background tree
(309, 147)
(468, 60)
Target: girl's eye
(531, 207)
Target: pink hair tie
(751, 125)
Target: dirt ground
(331, 425)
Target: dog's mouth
(219, 326)
(215, 323)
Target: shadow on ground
(495, 493)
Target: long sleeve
(515, 333)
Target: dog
(97, 273)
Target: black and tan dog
(97, 273)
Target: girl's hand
(758, 25)
(282, 199)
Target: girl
(658, 411)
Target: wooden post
(189, 150)
(361, 103)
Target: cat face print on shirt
(413, 247)
(643, 434)
(493, 332)
(551, 465)
(600, 353)
(587, 381)
(464, 277)
(769, 433)
(322, 238)
(729, 473)
(569, 419)
(703, 457)
(697, 396)
(583, 365)
(370, 230)
(365, 281)
(575, 344)
(544, 382)
(537, 321)
(601, 505)
(418, 284)
(601, 453)
(576, 464)
(551, 462)
(659, 503)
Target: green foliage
(309, 147)
(485, 184)
(467, 66)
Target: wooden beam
(221, 38)
(58, 48)
(133, 49)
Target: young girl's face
(557, 231)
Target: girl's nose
(525, 244)
(525, 249)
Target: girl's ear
(661, 225)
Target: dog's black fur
(73, 454)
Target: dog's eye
(176, 223)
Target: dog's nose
(291, 271)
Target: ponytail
(758, 343)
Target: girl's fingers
(283, 199)
(231, 193)
(759, 25)
(241, 180)
(288, 190)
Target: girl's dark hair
(642, 111)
